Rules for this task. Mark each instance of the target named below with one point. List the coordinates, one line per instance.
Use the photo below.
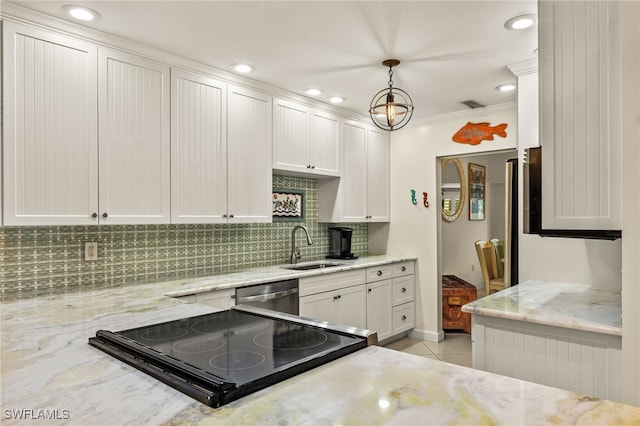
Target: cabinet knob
(369, 290)
(404, 317)
(105, 214)
(404, 268)
(231, 216)
(94, 214)
(308, 166)
(403, 289)
(313, 167)
(224, 215)
(379, 273)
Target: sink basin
(312, 265)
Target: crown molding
(529, 66)
(465, 115)
(19, 14)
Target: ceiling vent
(472, 104)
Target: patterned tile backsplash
(50, 259)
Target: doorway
(456, 238)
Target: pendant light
(391, 108)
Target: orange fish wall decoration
(474, 133)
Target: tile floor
(455, 348)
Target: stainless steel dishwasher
(281, 296)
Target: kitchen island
(48, 369)
(564, 335)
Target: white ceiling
(451, 51)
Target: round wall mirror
(453, 188)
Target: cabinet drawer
(403, 317)
(403, 290)
(329, 282)
(222, 299)
(403, 268)
(377, 273)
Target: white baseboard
(429, 336)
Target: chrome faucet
(295, 251)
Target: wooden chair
(498, 247)
(489, 265)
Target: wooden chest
(455, 293)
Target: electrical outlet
(91, 250)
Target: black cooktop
(219, 357)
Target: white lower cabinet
(337, 298)
(376, 298)
(390, 295)
(379, 308)
(346, 306)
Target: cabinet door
(134, 139)
(352, 306)
(324, 144)
(290, 137)
(379, 308)
(198, 149)
(580, 114)
(378, 176)
(50, 128)
(355, 171)
(321, 306)
(249, 155)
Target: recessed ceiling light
(521, 22)
(337, 99)
(507, 87)
(243, 68)
(81, 13)
(313, 91)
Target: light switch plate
(91, 250)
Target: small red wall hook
(425, 199)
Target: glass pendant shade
(391, 108)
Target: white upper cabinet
(50, 135)
(378, 175)
(580, 109)
(198, 148)
(249, 155)
(134, 139)
(305, 141)
(362, 193)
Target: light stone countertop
(266, 274)
(47, 364)
(567, 305)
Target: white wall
(414, 229)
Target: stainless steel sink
(312, 265)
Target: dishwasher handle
(267, 296)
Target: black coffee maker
(340, 243)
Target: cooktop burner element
(219, 357)
(238, 360)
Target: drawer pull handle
(404, 318)
(379, 273)
(404, 268)
(336, 297)
(403, 289)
